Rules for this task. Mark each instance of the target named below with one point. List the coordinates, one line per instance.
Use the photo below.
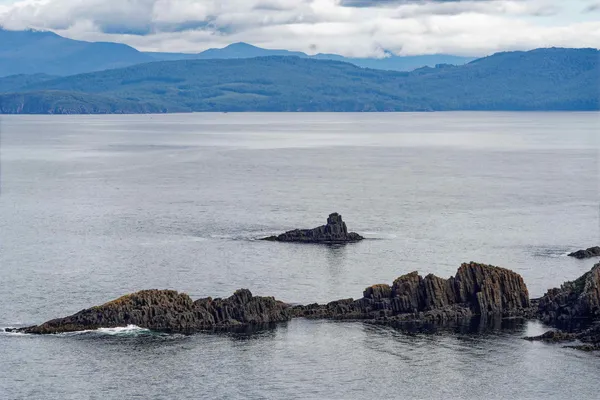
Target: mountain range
(390, 62)
(541, 79)
(35, 52)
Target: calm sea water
(93, 207)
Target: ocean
(94, 207)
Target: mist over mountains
(34, 52)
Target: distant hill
(391, 62)
(65, 102)
(13, 83)
(542, 79)
(235, 50)
(34, 52)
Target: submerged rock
(590, 338)
(334, 232)
(553, 336)
(170, 311)
(477, 289)
(588, 253)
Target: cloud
(392, 3)
(592, 8)
(349, 27)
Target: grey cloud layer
(349, 27)
(391, 3)
(592, 7)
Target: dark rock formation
(589, 253)
(476, 289)
(170, 311)
(573, 308)
(335, 232)
(575, 300)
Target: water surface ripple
(93, 207)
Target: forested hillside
(543, 79)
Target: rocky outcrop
(589, 253)
(573, 308)
(576, 300)
(335, 232)
(477, 289)
(170, 311)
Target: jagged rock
(491, 290)
(573, 307)
(335, 232)
(170, 311)
(477, 289)
(378, 292)
(579, 299)
(589, 253)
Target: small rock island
(335, 232)
(588, 253)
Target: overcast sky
(348, 27)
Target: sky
(356, 28)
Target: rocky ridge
(476, 289)
(334, 232)
(170, 311)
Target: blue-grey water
(93, 207)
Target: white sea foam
(129, 330)
(4, 332)
(132, 329)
